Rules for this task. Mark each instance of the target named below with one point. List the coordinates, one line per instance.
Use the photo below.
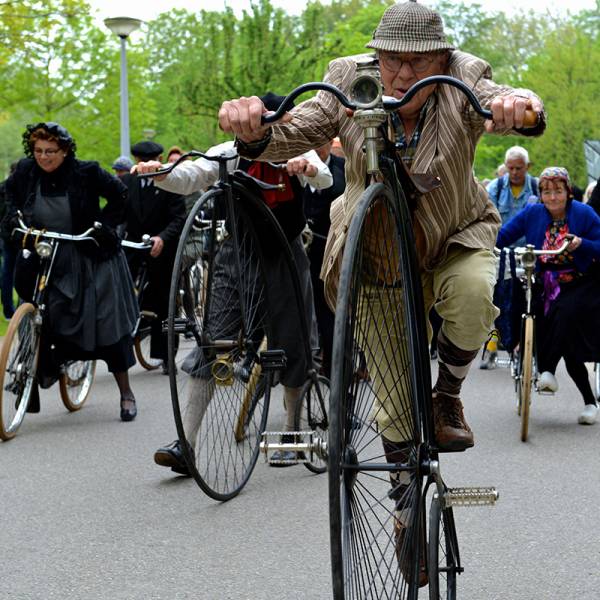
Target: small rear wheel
(312, 415)
(75, 381)
(18, 361)
(141, 345)
(443, 562)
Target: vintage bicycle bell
(366, 93)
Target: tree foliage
(57, 63)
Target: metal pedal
(272, 360)
(306, 446)
(471, 496)
(180, 325)
(502, 361)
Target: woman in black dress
(91, 303)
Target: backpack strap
(499, 189)
(535, 187)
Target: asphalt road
(85, 514)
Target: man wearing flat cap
(436, 133)
(161, 215)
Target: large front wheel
(376, 432)
(525, 382)
(218, 318)
(18, 360)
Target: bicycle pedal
(303, 445)
(503, 362)
(180, 325)
(471, 496)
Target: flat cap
(123, 163)
(146, 149)
(410, 27)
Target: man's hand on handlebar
(509, 112)
(301, 166)
(148, 167)
(242, 118)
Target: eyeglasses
(46, 151)
(553, 193)
(394, 62)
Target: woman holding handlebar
(91, 303)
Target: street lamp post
(123, 26)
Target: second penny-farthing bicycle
(227, 360)
(381, 539)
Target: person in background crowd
(91, 307)
(588, 192)
(122, 166)
(160, 214)
(510, 193)
(501, 170)
(317, 203)
(567, 288)
(174, 153)
(513, 190)
(9, 255)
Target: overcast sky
(148, 9)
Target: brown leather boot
(403, 559)
(450, 428)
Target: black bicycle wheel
(443, 564)
(18, 360)
(312, 414)
(218, 318)
(375, 493)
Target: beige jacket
(458, 212)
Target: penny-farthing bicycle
(382, 457)
(227, 362)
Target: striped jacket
(458, 212)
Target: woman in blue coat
(567, 287)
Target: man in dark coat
(161, 215)
(316, 209)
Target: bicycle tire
(597, 381)
(141, 346)
(18, 361)
(376, 526)
(526, 378)
(75, 383)
(219, 458)
(443, 559)
(312, 414)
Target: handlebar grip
(531, 118)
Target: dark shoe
(128, 414)
(450, 428)
(171, 456)
(433, 354)
(34, 401)
(404, 562)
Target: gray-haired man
(436, 132)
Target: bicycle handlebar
(85, 236)
(389, 103)
(145, 244)
(521, 250)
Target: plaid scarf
(407, 149)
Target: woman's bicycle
(228, 362)
(382, 543)
(523, 361)
(19, 353)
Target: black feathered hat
(65, 141)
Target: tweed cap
(410, 27)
